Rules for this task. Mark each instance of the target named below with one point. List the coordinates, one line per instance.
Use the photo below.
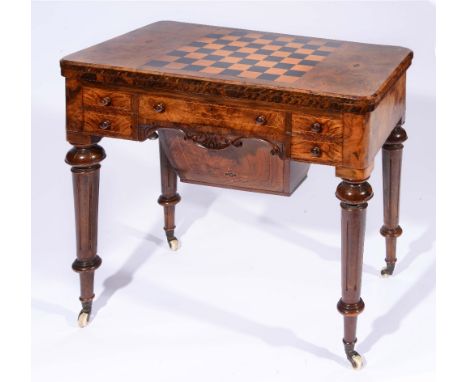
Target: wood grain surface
(186, 112)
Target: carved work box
(234, 162)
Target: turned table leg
(391, 163)
(353, 197)
(169, 197)
(85, 172)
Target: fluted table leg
(169, 197)
(85, 172)
(391, 162)
(353, 197)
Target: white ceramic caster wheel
(83, 319)
(384, 273)
(174, 244)
(387, 271)
(356, 361)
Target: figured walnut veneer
(188, 112)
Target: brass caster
(356, 361)
(174, 244)
(387, 271)
(353, 356)
(83, 319)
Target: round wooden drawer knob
(104, 125)
(316, 127)
(105, 101)
(159, 108)
(260, 120)
(316, 152)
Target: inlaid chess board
(214, 60)
(245, 54)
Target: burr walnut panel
(107, 99)
(186, 112)
(315, 151)
(318, 126)
(110, 125)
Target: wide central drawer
(185, 112)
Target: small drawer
(108, 124)
(318, 127)
(185, 112)
(107, 99)
(315, 151)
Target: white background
(251, 295)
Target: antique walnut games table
(245, 110)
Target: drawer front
(112, 125)
(107, 99)
(318, 127)
(170, 110)
(316, 151)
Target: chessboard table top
(355, 72)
